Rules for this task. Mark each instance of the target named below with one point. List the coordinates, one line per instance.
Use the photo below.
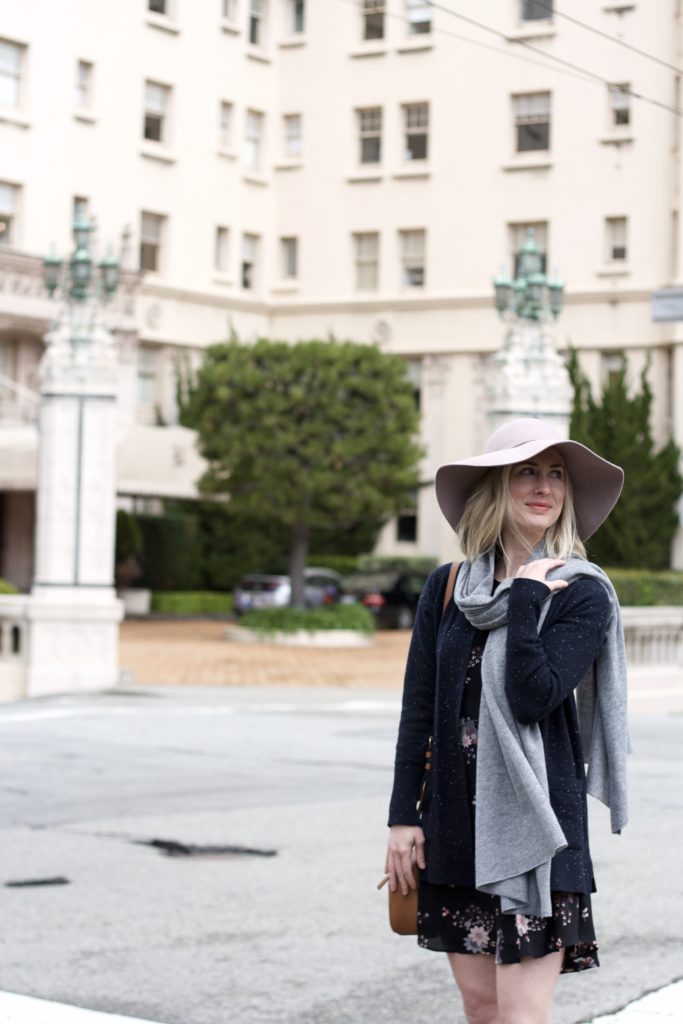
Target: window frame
(226, 123)
(13, 75)
(415, 260)
(616, 240)
(256, 23)
(221, 249)
(289, 254)
(253, 143)
(525, 122)
(84, 86)
(526, 9)
(419, 7)
(417, 131)
(155, 243)
(9, 214)
(373, 14)
(163, 116)
(293, 140)
(249, 261)
(619, 107)
(517, 231)
(297, 17)
(366, 134)
(363, 261)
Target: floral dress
(455, 919)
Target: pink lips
(543, 508)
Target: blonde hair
(487, 514)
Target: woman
(490, 684)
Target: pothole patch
(173, 848)
(28, 883)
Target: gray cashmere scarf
(517, 832)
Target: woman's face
(537, 490)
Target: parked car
(261, 590)
(391, 596)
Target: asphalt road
(296, 936)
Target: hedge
(640, 587)
(289, 620)
(191, 602)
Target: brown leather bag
(403, 909)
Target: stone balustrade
(14, 626)
(654, 636)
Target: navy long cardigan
(541, 673)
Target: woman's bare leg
(525, 990)
(475, 976)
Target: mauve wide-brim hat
(596, 483)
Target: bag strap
(450, 585)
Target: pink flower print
(477, 939)
(521, 924)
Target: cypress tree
(641, 528)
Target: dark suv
(391, 595)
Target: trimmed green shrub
(171, 547)
(128, 536)
(7, 588)
(641, 588)
(191, 602)
(289, 620)
(402, 563)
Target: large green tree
(317, 435)
(639, 532)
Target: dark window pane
(153, 124)
(622, 116)
(618, 252)
(254, 31)
(247, 274)
(157, 5)
(370, 150)
(374, 26)
(298, 15)
(533, 136)
(415, 277)
(420, 27)
(416, 147)
(534, 10)
(406, 526)
(149, 256)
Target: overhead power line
(605, 35)
(554, 58)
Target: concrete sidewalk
(662, 1007)
(197, 653)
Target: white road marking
(656, 1008)
(15, 1009)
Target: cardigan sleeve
(417, 713)
(543, 670)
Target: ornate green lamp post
(527, 377)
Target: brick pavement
(186, 653)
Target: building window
(158, 6)
(80, 210)
(290, 258)
(373, 19)
(532, 121)
(252, 140)
(370, 134)
(419, 17)
(518, 234)
(249, 255)
(292, 136)
(148, 361)
(612, 366)
(297, 16)
(151, 241)
(413, 258)
(225, 124)
(256, 22)
(156, 112)
(416, 121)
(620, 105)
(220, 251)
(229, 9)
(406, 524)
(84, 76)
(367, 260)
(11, 56)
(616, 229)
(536, 10)
(8, 213)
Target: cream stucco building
(295, 168)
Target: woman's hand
(403, 840)
(539, 569)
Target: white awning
(155, 462)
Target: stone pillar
(527, 377)
(74, 612)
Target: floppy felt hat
(596, 483)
